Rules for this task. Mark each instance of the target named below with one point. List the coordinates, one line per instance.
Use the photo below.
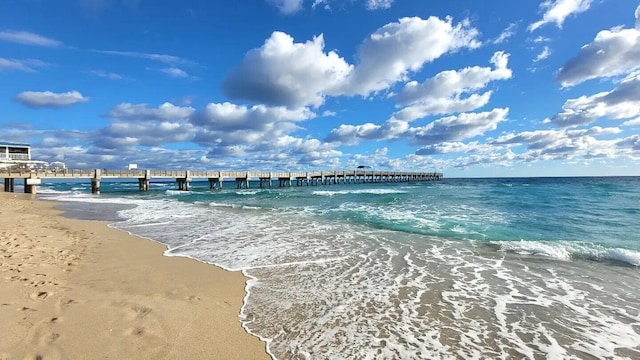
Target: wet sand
(77, 289)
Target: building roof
(3, 143)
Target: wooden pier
(32, 178)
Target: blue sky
(469, 88)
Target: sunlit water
(478, 268)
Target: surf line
(294, 263)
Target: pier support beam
(143, 184)
(284, 182)
(213, 182)
(265, 182)
(9, 184)
(30, 185)
(183, 183)
(95, 182)
(95, 186)
(242, 183)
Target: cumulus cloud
(557, 11)
(48, 99)
(28, 65)
(562, 144)
(260, 134)
(228, 116)
(623, 102)
(459, 127)
(352, 134)
(452, 83)
(28, 38)
(613, 52)
(141, 112)
(123, 134)
(454, 147)
(634, 122)
(387, 55)
(282, 72)
(233, 129)
(442, 105)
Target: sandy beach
(77, 289)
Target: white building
(12, 151)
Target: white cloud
(282, 72)
(163, 58)
(228, 116)
(28, 65)
(287, 6)
(541, 39)
(557, 11)
(452, 83)
(27, 38)
(563, 144)
(230, 127)
(151, 133)
(634, 122)
(141, 112)
(379, 4)
(321, 2)
(48, 99)
(459, 127)
(175, 72)
(442, 94)
(454, 147)
(623, 102)
(107, 75)
(393, 50)
(442, 105)
(546, 52)
(508, 32)
(613, 52)
(352, 134)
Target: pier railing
(33, 177)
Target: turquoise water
(471, 268)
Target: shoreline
(75, 288)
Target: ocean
(522, 268)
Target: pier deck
(33, 177)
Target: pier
(32, 178)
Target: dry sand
(77, 289)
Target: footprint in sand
(63, 303)
(141, 311)
(49, 338)
(40, 295)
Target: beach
(78, 289)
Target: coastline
(81, 289)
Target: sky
(463, 87)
